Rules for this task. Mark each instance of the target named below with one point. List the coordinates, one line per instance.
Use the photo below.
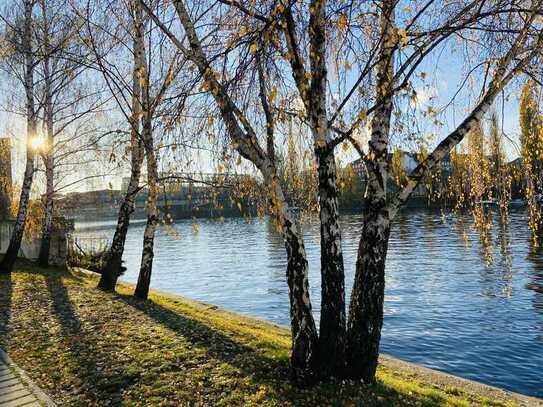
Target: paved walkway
(16, 389)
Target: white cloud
(425, 94)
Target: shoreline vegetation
(243, 106)
(86, 347)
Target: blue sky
(445, 70)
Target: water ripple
(444, 307)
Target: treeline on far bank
(476, 173)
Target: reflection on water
(445, 307)
(535, 256)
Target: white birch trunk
(304, 333)
(8, 261)
(332, 333)
(113, 267)
(45, 246)
(147, 255)
(366, 305)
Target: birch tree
(113, 267)
(24, 45)
(386, 52)
(154, 67)
(522, 50)
(43, 259)
(67, 101)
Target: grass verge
(85, 347)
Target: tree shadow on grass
(85, 359)
(217, 344)
(109, 349)
(6, 293)
(261, 369)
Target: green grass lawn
(85, 347)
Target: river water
(447, 306)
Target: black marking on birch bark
(366, 307)
(147, 256)
(304, 333)
(45, 246)
(304, 356)
(333, 321)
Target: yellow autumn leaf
(273, 93)
(342, 22)
(403, 36)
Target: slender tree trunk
(332, 320)
(367, 298)
(304, 357)
(6, 266)
(147, 255)
(270, 120)
(45, 247)
(113, 268)
(144, 278)
(43, 259)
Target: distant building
(359, 167)
(6, 183)
(89, 205)
(181, 195)
(104, 198)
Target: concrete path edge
(40, 395)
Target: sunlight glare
(37, 142)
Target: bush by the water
(90, 257)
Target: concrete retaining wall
(30, 248)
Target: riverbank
(85, 347)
